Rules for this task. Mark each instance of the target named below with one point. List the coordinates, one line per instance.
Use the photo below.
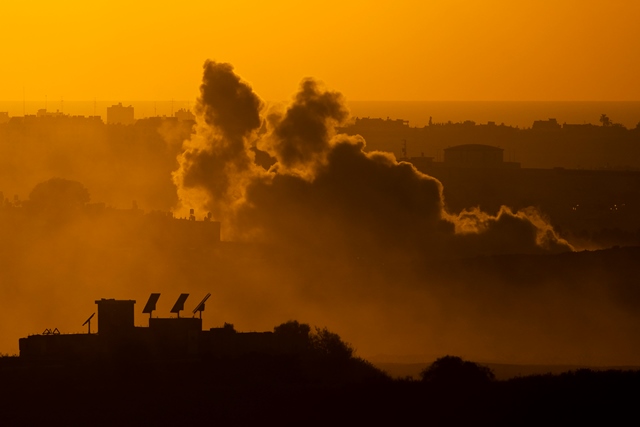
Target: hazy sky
(369, 50)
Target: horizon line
(53, 101)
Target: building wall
(59, 347)
(173, 337)
(115, 317)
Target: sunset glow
(395, 211)
(402, 50)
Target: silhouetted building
(176, 338)
(44, 113)
(585, 127)
(551, 124)
(184, 115)
(4, 117)
(118, 114)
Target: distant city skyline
(511, 113)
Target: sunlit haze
(403, 50)
(424, 178)
(396, 212)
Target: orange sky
(369, 50)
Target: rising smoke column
(216, 163)
(324, 189)
(354, 240)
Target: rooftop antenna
(150, 306)
(200, 307)
(179, 305)
(88, 323)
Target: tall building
(184, 115)
(44, 113)
(118, 114)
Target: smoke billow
(216, 163)
(324, 188)
(324, 231)
(301, 138)
(365, 244)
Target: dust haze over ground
(329, 235)
(361, 240)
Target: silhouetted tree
(320, 343)
(454, 372)
(293, 328)
(329, 344)
(293, 336)
(58, 195)
(605, 120)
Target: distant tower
(118, 114)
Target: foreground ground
(286, 392)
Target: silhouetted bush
(328, 344)
(293, 328)
(322, 357)
(321, 343)
(452, 371)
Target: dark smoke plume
(227, 103)
(301, 137)
(325, 188)
(216, 163)
(365, 244)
